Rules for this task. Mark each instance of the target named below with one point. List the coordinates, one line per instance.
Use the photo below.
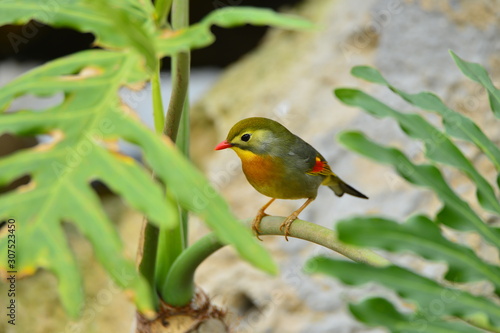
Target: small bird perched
(280, 165)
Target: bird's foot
(287, 224)
(256, 223)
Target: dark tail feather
(339, 187)
(351, 190)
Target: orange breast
(262, 172)
(269, 176)
(259, 169)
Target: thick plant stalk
(172, 242)
(158, 116)
(162, 8)
(320, 235)
(147, 256)
(149, 247)
(180, 73)
(179, 287)
(180, 280)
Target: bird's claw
(287, 224)
(256, 224)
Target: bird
(280, 165)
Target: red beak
(223, 145)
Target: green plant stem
(158, 115)
(147, 263)
(180, 14)
(322, 236)
(183, 143)
(162, 8)
(170, 245)
(173, 242)
(180, 82)
(180, 74)
(170, 239)
(179, 285)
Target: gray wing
(302, 155)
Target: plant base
(198, 316)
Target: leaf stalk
(179, 285)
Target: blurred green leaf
(421, 236)
(369, 74)
(61, 171)
(199, 35)
(477, 73)
(85, 128)
(423, 291)
(103, 19)
(131, 26)
(455, 124)
(380, 312)
(464, 218)
(438, 146)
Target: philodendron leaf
(429, 176)
(199, 35)
(455, 124)
(422, 236)
(135, 22)
(438, 146)
(380, 312)
(84, 129)
(424, 292)
(477, 73)
(84, 16)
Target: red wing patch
(320, 168)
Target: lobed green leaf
(422, 236)
(425, 292)
(199, 35)
(61, 172)
(455, 124)
(462, 218)
(477, 73)
(134, 20)
(380, 312)
(438, 146)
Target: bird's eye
(245, 137)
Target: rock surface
(290, 79)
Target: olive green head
(258, 135)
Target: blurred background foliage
(420, 234)
(408, 42)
